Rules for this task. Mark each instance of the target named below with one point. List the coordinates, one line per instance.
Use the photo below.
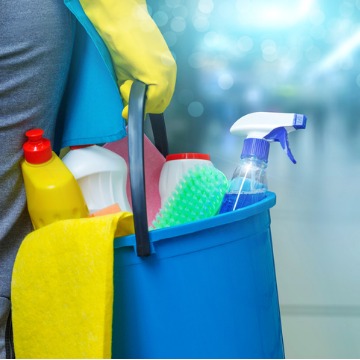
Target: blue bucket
(206, 289)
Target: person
(37, 45)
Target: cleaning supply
(197, 196)
(52, 192)
(112, 209)
(175, 167)
(62, 288)
(249, 183)
(153, 163)
(101, 175)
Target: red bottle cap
(184, 156)
(37, 149)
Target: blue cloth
(90, 112)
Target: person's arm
(137, 48)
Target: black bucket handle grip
(136, 118)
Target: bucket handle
(136, 118)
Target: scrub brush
(197, 196)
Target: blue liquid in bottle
(247, 193)
(248, 184)
(244, 200)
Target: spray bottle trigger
(280, 134)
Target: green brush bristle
(197, 196)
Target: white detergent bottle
(101, 174)
(249, 182)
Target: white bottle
(101, 174)
(175, 167)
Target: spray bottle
(249, 183)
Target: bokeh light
(196, 109)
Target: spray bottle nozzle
(270, 127)
(299, 121)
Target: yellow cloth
(137, 48)
(62, 288)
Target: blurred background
(240, 56)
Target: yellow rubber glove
(137, 48)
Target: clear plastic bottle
(249, 182)
(51, 190)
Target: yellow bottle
(51, 190)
